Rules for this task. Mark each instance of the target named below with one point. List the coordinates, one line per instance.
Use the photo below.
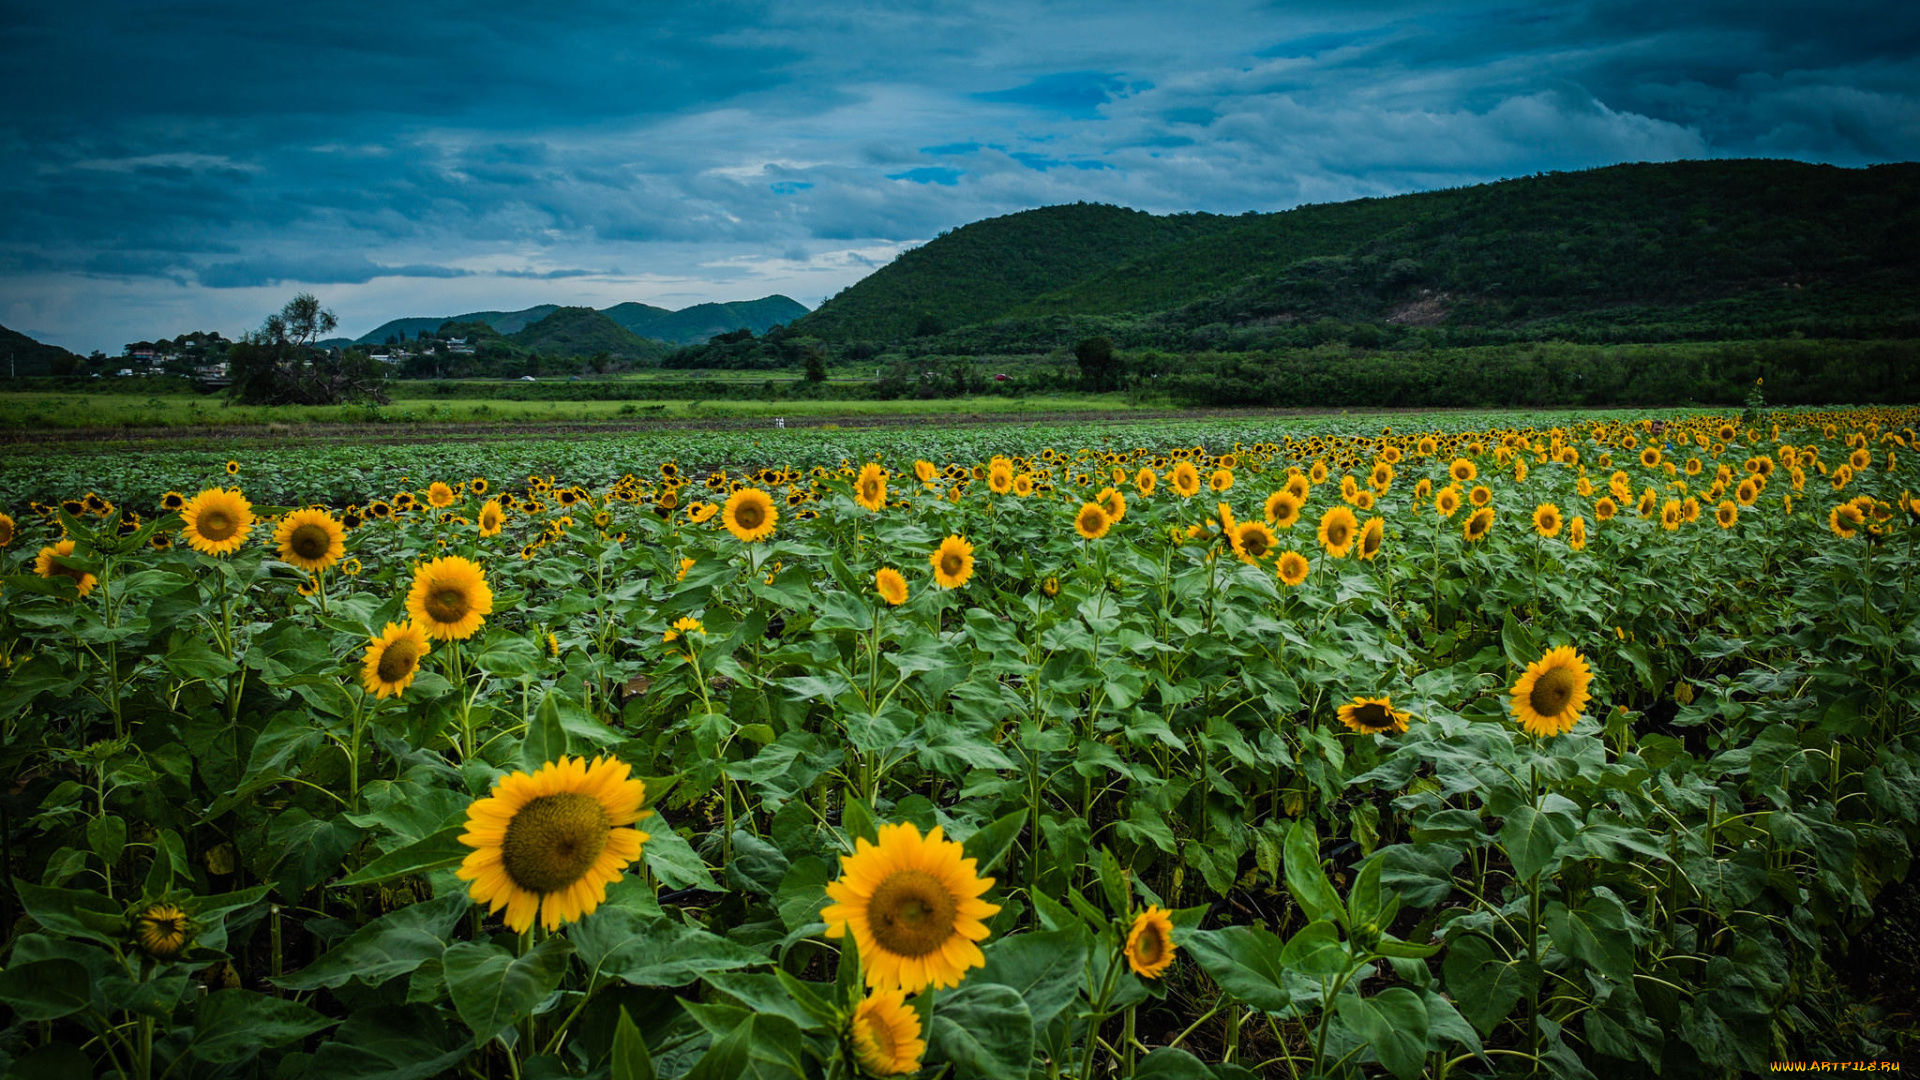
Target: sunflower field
(1452, 749)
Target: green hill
(22, 355)
(1646, 252)
(693, 325)
(985, 270)
(582, 331)
(505, 322)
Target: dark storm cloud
(155, 156)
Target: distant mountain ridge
(686, 326)
(1626, 252)
(22, 355)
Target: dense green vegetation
(1686, 250)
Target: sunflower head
(1292, 567)
(912, 905)
(1337, 529)
(1727, 514)
(1577, 534)
(310, 539)
(216, 521)
(884, 1032)
(1144, 481)
(1447, 500)
(1479, 524)
(491, 518)
(1185, 479)
(1092, 521)
(1372, 534)
(1371, 715)
(393, 659)
(47, 566)
(450, 598)
(551, 842)
(870, 490)
(891, 586)
(1546, 520)
(1150, 944)
(952, 562)
(162, 930)
(1548, 699)
(750, 515)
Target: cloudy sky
(168, 166)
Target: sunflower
(924, 471)
(1317, 472)
(1577, 534)
(1299, 487)
(310, 539)
(913, 907)
(870, 491)
(891, 586)
(1282, 510)
(1252, 540)
(1649, 502)
(393, 659)
(162, 930)
(449, 598)
(750, 515)
(1381, 477)
(1650, 457)
(1092, 521)
(1050, 585)
(1114, 502)
(1370, 715)
(1447, 500)
(1371, 536)
(1727, 514)
(439, 495)
(1605, 509)
(233, 468)
(46, 567)
(172, 501)
(1143, 482)
(1845, 520)
(1463, 471)
(1480, 495)
(1150, 944)
(1747, 493)
(216, 521)
(1293, 567)
(1548, 698)
(491, 518)
(702, 512)
(885, 1033)
(1546, 520)
(7, 530)
(1672, 514)
(1337, 527)
(552, 842)
(1023, 485)
(953, 562)
(1185, 479)
(1479, 524)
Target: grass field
(54, 411)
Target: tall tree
(279, 364)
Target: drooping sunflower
(891, 586)
(439, 495)
(1546, 520)
(393, 659)
(1479, 524)
(913, 906)
(870, 490)
(1370, 715)
(1727, 514)
(885, 1032)
(1577, 534)
(491, 518)
(1185, 479)
(1372, 534)
(8, 530)
(163, 931)
(1337, 529)
(1150, 944)
(1252, 541)
(750, 515)
(702, 512)
(46, 567)
(1548, 698)
(552, 842)
(450, 598)
(952, 562)
(216, 521)
(1293, 567)
(310, 539)
(1092, 521)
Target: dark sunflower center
(448, 605)
(1373, 716)
(1253, 542)
(1338, 533)
(912, 913)
(489, 518)
(553, 840)
(870, 488)
(749, 515)
(1370, 542)
(398, 661)
(217, 525)
(310, 542)
(951, 563)
(1552, 691)
(1090, 519)
(1151, 946)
